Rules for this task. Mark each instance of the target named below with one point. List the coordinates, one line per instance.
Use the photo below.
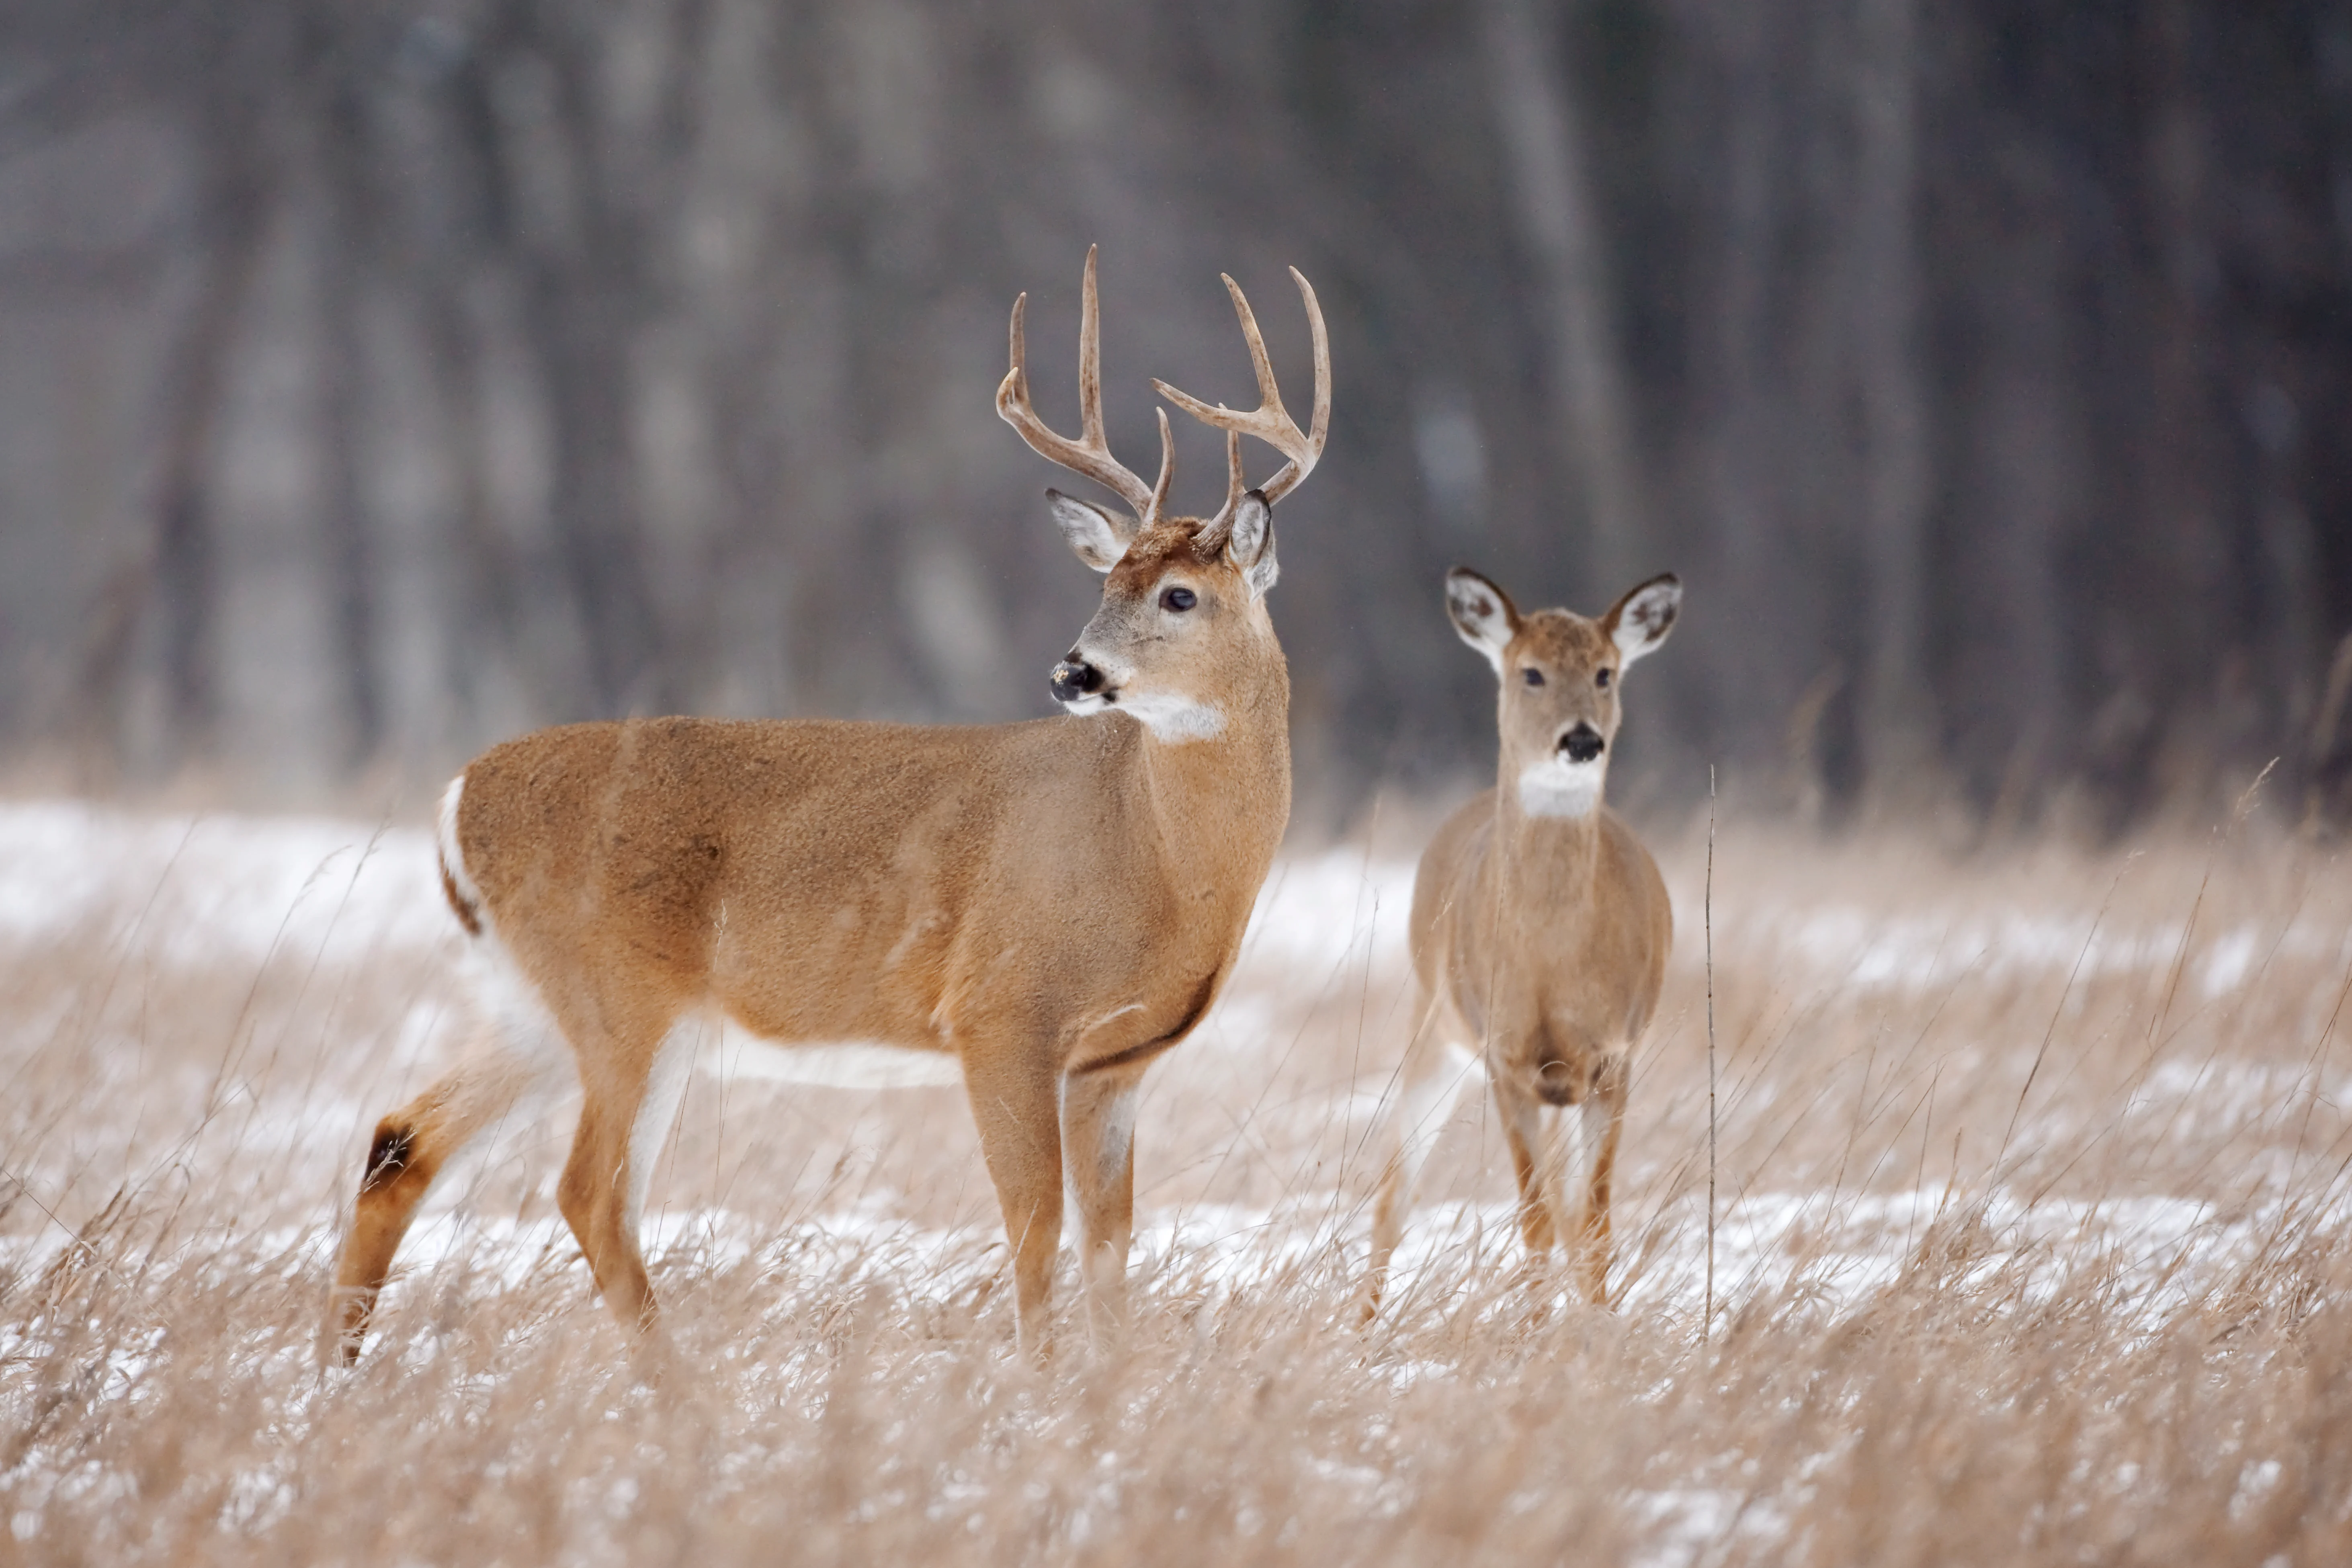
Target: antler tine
(1269, 422)
(1212, 537)
(1167, 470)
(1089, 455)
(1090, 419)
(1236, 484)
(1319, 424)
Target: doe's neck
(1548, 816)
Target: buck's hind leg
(628, 1103)
(1099, 1159)
(1428, 1085)
(410, 1148)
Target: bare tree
(1535, 117)
(1899, 722)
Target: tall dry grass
(2032, 1197)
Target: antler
(1269, 422)
(1090, 454)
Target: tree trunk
(174, 564)
(1898, 722)
(344, 246)
(1544, 156)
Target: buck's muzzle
(1073, 679)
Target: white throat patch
(1176, 720)
(1172, 720)
(1557, 787)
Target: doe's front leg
(1602, 1119)
(1534, 1162)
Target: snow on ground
(2242, 1077)
(231, 893)
(216, 890)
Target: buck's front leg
(1098, 1153)
(1016, 1105)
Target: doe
(1540, 929)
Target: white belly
(844, 1064)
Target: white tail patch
(462, 887)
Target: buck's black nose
(1074, 677)
(1582, 744)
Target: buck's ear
(1089, 528)
(1249, 543)
(1640, 621)
(1482, 613)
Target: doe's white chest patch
(1555, 787)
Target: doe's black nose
(1582, 744)
(1073, 679)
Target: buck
(1036, 910)
(1540, 929)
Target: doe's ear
(1249, 543)
(1640, 621)
(1092, 533)
(1482, 613)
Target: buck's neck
(1220, 802)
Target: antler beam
(1090, 455)
(1269, 422)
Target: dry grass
(2033, 1176)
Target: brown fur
(1540, 942)
(994, 892)
(1053, 903)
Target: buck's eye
(1532, 675)
(1178, 599)
(1601, 678)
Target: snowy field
(2030, 1196)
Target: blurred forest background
(380, 377)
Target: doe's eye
(1601, 678)
(1532, 675)
(1178, 599)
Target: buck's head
(1183, 628)
(1561, 674)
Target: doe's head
(1560, 677)
(1182, 621)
